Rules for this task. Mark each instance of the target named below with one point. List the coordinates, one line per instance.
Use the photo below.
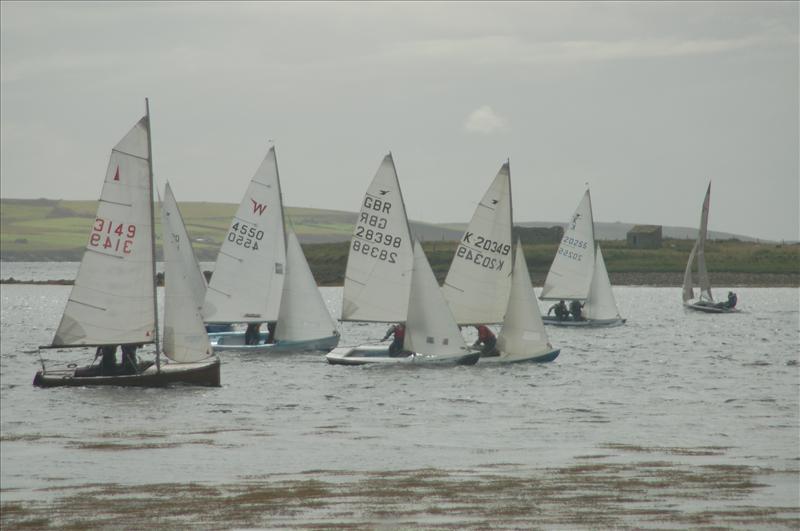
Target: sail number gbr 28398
(370, 237)
(245, 235)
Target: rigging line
(101, 200)
(101, 253)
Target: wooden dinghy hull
(205, 373)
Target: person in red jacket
(399, 332)
(486, 338)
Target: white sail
(479, 278)
(430, 326)
(378, 275)
(111, 301)
(688, 284)
(249, 274)
(702, 272)
(600, 304)
(303, 314)
(185, 338)
(523, 333)
(571, 272)
(173, 227)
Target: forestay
(378, 274)
(303, 314)
(174, 228)
(522, 333)
(185, 338)
(600, 304)
(249, 274)
(112, 299)
(571, 272)
(430, 327)
(479, 278)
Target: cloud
(484, 120)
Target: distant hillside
(46, 229)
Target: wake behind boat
(705, 302)
(113, 299)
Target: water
(678, 420)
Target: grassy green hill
(32, 230)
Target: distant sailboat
(578, 273)
(705, 302)
(249, 284)
(113, 299)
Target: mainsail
(185, 338)
(698, 251)
(112, 300)
(303, 314)
(430, 327)
(378, 275)
(479, 279)
(523, 332)
(249, 274)
(570, 274)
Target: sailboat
(262, 276)
(380, 265)
(578, 273)
(522, 336)
(113, 300)
(705, 302)
(432, 335)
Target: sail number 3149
(110, 236)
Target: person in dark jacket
(575, 308)
(399, 332)
(253, 334)
(486, 338)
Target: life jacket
(484, 334)
(399, 333)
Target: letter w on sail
(258, 208)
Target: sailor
(731, 302)
(399, 332)
(561, 310)
(270, 332)
(252, 334)
(575, 309)
(108, 362)
(129, 363)
(487, 339)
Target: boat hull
(507, 358)
(379, 355)
(234, 342)
(585, 323)
(205, 374)
(707, 307)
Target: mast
(511, 221)
(152, 233)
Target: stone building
(645, 237)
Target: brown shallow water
(674, 421)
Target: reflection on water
(675, 420)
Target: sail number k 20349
(113, 237)
(244, 235)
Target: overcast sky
(646, 102)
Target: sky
(643, 102)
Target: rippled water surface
(675, 420)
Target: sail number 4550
(245, 235)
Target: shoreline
(631, 279)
